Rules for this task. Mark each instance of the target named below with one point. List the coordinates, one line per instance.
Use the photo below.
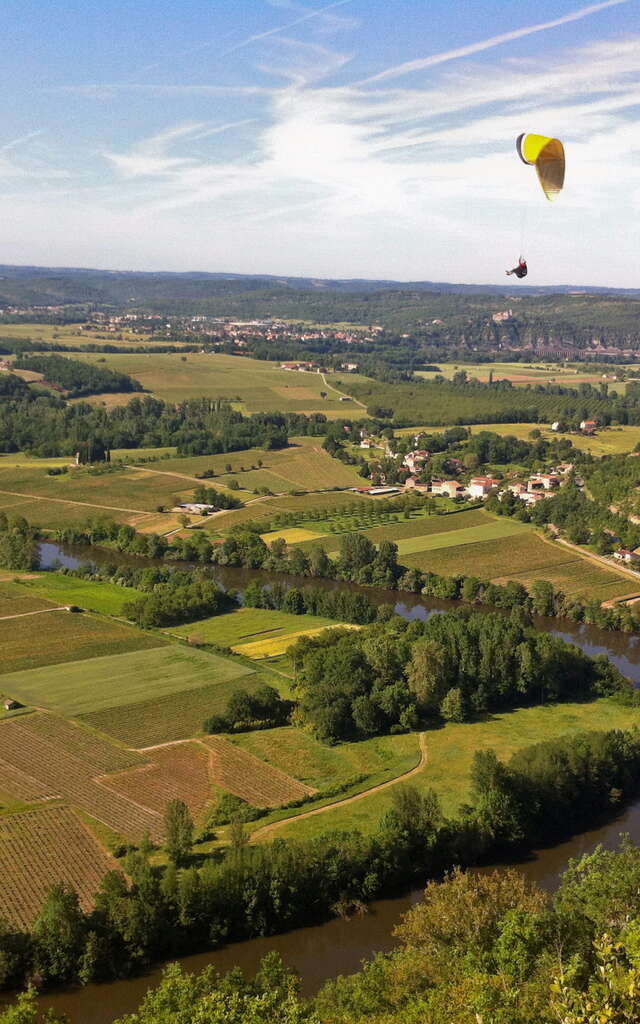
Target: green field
(525, 558)
(16, 600)
(450, 753)
(71, 335)
(521, 374)
(609, 441)
(248, 624)
(81, 687)
(56, 637)
(107, 598)
(253, 385)
(319, 765)
(172, 716)
(499, 529)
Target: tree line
(75, 377)
(363, 562)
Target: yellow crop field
(275, 646)
(293, 536)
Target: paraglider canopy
(547, 156)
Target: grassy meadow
(249, 626)
(116, 680)
(252, 384)
(608, 441)
(106, 598)
(317, 764)
(450, 752)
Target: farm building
(450, 488)
(589, 426)
(198, 508)
(480, 486)
(624, 555)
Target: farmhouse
(479, 486)
(198, 508)
(589, 426)
(624, 555)
(11, 705)
(450, 488)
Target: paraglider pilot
(520, 270)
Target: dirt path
(267, 830)
(343, 394)
(83, 504)
(40, 611)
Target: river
(324, 951)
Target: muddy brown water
(324, 951)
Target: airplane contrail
(291, 24)
(487, 44)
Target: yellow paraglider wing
(547, 155)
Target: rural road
(268, 830)
(600, 560)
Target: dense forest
(75, 378)
(45, 425)
(396, 674)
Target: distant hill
(399, 306)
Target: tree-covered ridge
(76, 378)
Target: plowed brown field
(255, 781)
(178, 772)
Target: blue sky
(361, 138)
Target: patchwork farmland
(250, 778)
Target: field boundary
(267, 830)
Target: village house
(480, 486)
(589, 426)
(625, 555)
(416, 461)
(449, 488)
(413, 484)
(544, 481)
(517, 489)
(532, 497)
